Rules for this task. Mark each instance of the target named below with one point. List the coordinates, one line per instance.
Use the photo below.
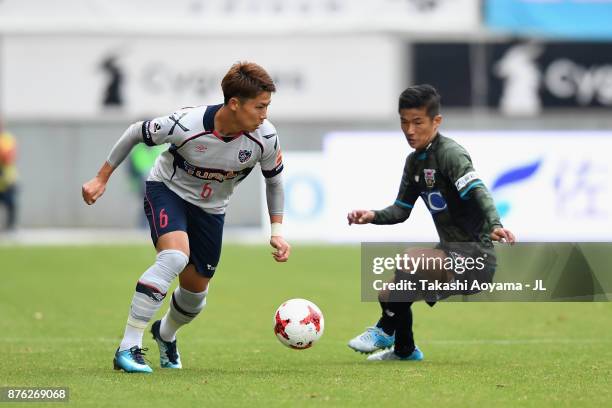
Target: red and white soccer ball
(298, 323)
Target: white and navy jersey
(203, 167)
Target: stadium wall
(57, 157)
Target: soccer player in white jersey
(212, 149)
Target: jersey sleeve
(407, 195)
(272, 157)
(457, 165)
(173, 128)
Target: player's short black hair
(421, 96)
(246, 80)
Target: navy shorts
(168, 212)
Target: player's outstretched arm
(282, 247)
(275, 199)
(360, 217)
(94, 188)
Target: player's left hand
(283, 249)
(503, 235)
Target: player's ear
(233, 103)
(437, 120)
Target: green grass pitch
(63, 309)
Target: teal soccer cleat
(389, 355)
(374, 338)
(169, 356)
(131, 361)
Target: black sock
(404, 339)
(386, 322)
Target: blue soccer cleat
(389, 355)
(131, 360)
(374, 338)
(169, 356)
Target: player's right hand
(360, 217)
(92, 190)
(503, 235)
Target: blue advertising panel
(589, 19)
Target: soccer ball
(298, 323)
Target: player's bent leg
(167, 218)
(188, 300)
(150, 292)
(399, 303)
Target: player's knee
(383, 296)
(172, 260)
(168, 265)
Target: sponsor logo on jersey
(244, 155)
(205, 173)
(200, 148)
(430, 177)
(212, 174)
(434, 200)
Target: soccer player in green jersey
(439, 171)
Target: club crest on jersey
(244, 155)
(430, 177)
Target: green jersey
(443, 176)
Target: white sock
(184, 307)
(168, 328)
(132, 337)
